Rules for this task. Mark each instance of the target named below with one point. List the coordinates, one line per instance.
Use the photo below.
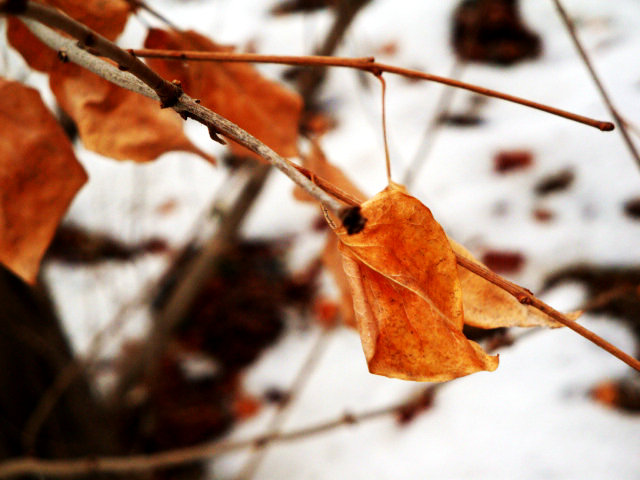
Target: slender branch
(140, 78)
(385, 138)
(571, 28)
(170, 458)
(366, 64)
(526, 297)
(345, 12)
(143, 5)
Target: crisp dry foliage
(39, 176)
(116, 122)
(407, 294)
(107, 17)
(236, 91)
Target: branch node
(523, 298)
(169, 94)
(349, 418)
(89, 40)
(214, 134)
(352, 219)
(261, 441)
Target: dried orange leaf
(107, 17)
(116, 122)
(236, 91)
(39, 176)
(406, 292)
(488, 306)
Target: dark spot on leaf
(353, 220)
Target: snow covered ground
(531, 419)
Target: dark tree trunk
(33, 351)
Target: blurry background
(551, 204)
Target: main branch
(133, 74)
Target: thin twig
(524, 296)
(385, 139)
(366, 64)
(345, 12)
(571, 28)
(632, 127)
(155, 13)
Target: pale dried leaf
(488, 306)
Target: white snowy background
(532, 418)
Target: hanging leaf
(107, 17)
(406, 292)
(115, 122)
(236, 91)
(39, 176)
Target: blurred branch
(198, 453)
(311, 361)
(571, 28)
(433, 127)
(345, 12)
(190, 283)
